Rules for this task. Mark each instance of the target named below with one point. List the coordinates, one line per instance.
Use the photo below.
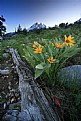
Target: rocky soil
(9, 92)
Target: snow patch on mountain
(37, 26)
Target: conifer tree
(2, 27)
(19, 30)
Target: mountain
(78, 21)
(37, 26)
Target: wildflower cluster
(50, 56)
(38, 49)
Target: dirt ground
(8, 83)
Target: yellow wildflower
(58, 45)
(38, 49)
(51, 60)
(53, 44)
(69, 40)
(34, 45)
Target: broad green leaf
(39, 66)
(38, 72)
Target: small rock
(5, 105)
(6, 68)
(6, 55)
(13, 100)
(9, 87)
(4, 72)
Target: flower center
(67, 41)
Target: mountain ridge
(36, 26)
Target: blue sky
(49, 12)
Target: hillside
(35, 47)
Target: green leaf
(38, 72)
(31, 51)
(39, 66)
(50, 50)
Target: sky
(48, 12)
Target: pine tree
(2, 27)
(19, 30)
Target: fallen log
(33, 100)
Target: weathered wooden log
(33, 100)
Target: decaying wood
(33, 100)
